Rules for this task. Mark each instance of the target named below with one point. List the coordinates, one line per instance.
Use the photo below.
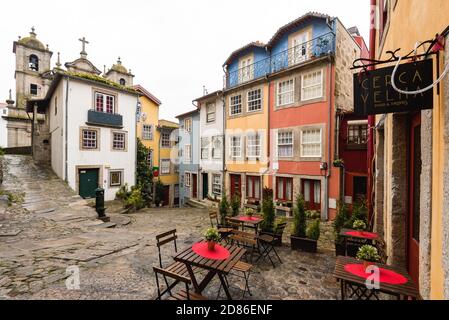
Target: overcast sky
(173, 47)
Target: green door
(88, 182)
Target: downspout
(371, 118)
(223, 145)
(329, 147)
(268, 133)
(66, 129)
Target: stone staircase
(199, 204)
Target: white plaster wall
(3, 129)
(210, 130)
(80, 101)
(57, 125)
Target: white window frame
(292, 144)
(235, 147)
(246, 69)
(248, 101)
(120, 172)
(164, 168)
(210, 114)
(215, 154)
(320, 85)
(279, 93)
(253, 149)
(302, 143)
(114, 141)
(105, 96)
(162, 140)
(205, 142)
(147, 132)
(187, 179)
(216, 185)
(188, 124)
(231, 106)
(188, 153)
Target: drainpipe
(325, 216)
(268, 133)
(223, 145)
(66, 129)
(371, 119)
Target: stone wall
(379, 184)
(347, 51)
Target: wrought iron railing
(105, 119)
(315, 48)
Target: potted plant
(359, 225)
(302, 238)
(340, 221)
(235, 205)
(223, 209)
(338, 163)
(212, 237)
(249, 212)
(268, 212)
(368, 254)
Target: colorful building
(167, 139)
(282, 99)
(211, 133)
(411, 162)
(188, 144)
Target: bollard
(99, 203)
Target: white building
(3, 128)
(89, 134)
(211, 145)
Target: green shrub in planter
(299, 218)
(235, 205)
(359, 225)
(223, 209)
(313, 231)
(268, 212)
(135, 200)
(368, 253)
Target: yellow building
(411, 184)
(150, 131)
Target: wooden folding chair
(268, 242)
(224, 232)
(184, 294)
(246, 240)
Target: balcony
(308, 51)
(104, 119)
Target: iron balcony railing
(315, 48)
(104, 119)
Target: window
(104, 102)
(118, 141)
(252, 187)
(216, 147)
(188, 124)
(253, 146)
(33, 89)
(89, 139)
(286, 91)
(150, 159)
(176, 168)
(115, 178)
(254, 100)
(285, 144)
(187, 179)
(188, 155)
(235, 105)
(204, 148)
(284, 189)
(210, 110)
(311, 143)
(236, 148)
(246, 69)
(34, 63)
(312, 85)
(165, 166)
(147, 132)
(165, 140)
(216, 184)
(357, 133)
(300, 48)
(122, 82)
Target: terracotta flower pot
(366, 264)
(211, 245)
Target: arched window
(122, 82)
(34, 63)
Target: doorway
(312, 194)
(176, 195)
(166, 197)
(359, 188)
(413, 221)
(194, 186)
(236, 185)
(205, 185)
(88, 182)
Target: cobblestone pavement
(54, 229)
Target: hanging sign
(374, 94)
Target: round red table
(219, 252)
(249, 219)
(385, 275)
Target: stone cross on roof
(83, 51)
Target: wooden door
(176, 195)
(413, 221)
(88, 182)
(205, 185)
(236, 185)
(166, 198)
(194, 186)
(312, 194)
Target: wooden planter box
(303, 244)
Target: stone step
(196, 204)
